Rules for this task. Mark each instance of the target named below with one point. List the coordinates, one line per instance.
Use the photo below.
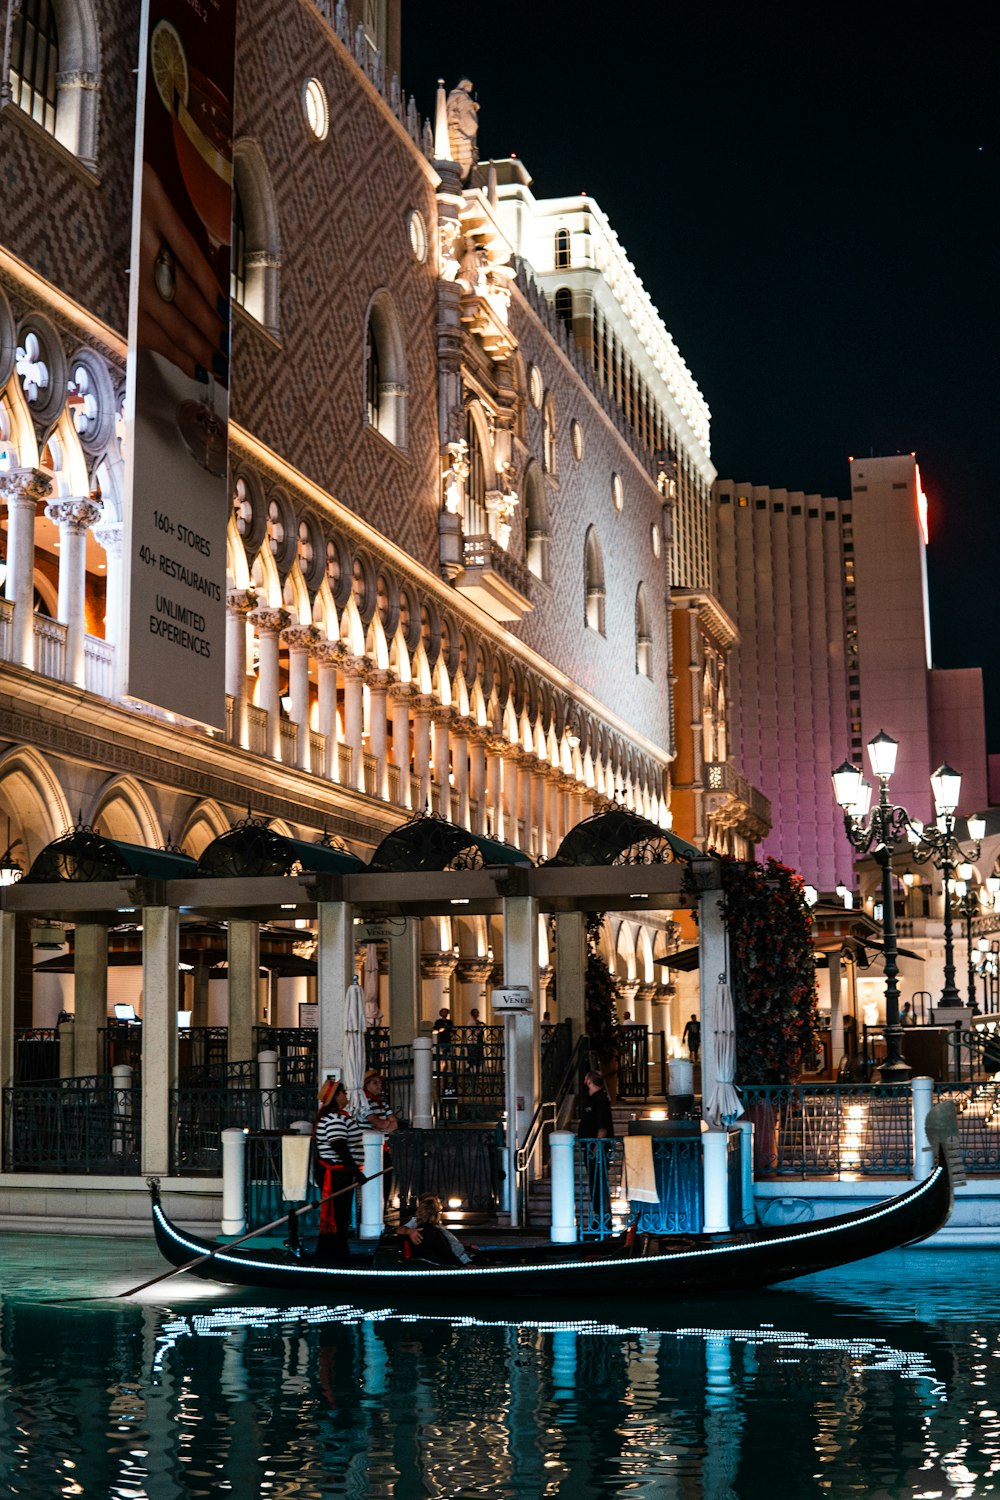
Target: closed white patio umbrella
(354, 1047)
(723, 1102)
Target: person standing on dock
(341, 1154)
(597, 1124)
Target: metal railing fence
(978, 1106)
(469, 1075)
(830, 1129)
(36, 1053)
(198, 1116)
(78, 1125)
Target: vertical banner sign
(177, 504)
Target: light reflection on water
(878, 1380)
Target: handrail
(546, 1114)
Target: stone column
(379, 682)
(160, 956)
(269, 623)
(404, 981)
(73, 516)
(335, 960)
(111, 538)
(571, 969)
(243, 952)
(400, 693)
(539, 801)
(300, 640)
(353, 669)
(493, 815)
(460, 731)
(520, 967)
(8, 923)
(471, 974)
(422, 706)
(90, 975)
(477, 779)
(441, 717)
(239, 603)
(22, 489)
(526, 764)
(328, 654)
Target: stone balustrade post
(21, 490)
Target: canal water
(879, 1380)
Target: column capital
(267, 621)
(423, 703)
(24, 485)
(463, 725)
(442, 713)
(402, 692)
(300, 637)
(380, 679)
(111, 537)
(354, 666)
(76, 513)
(238, 601)
(329, 653)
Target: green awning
(430, 842)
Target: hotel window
(255, 258)
(474, 521)
(564, 306)
(550, 448)
(238, 257)
(385, 372)
(643, 637)
(34, 62)
(536, 523)
(562, 249)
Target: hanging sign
(376, 932)
(512, 999)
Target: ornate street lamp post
(886, 826)
(969, 907)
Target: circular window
(243, 508)
(576, 437)
(359, 585)
(417, 230)
(382, 599)
(617, 493)
(275, 527)
(317, 109)
(536, 387)
(656, 538)
(306, 548)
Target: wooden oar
(200, 1260)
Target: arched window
(34, 62)
(593, 574)
(385, 371)
(549, 436)
(255, 261)
(562, 247)
(475, 518)
(643, 634)
(55, 77)
(564, 306)
(536, 523)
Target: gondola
(644, 1266)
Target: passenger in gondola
(340, 1157)
(429, 1239)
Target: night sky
(810, 195)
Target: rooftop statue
(463, 126)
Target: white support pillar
(328, 654)
(404, 982)
(401, 693)
(110, 537)
(836, 1010)
(423, 1117)
(571, 969)
(493, 819)
(921, 1097)
(441, 760)
(378, 729)
(745, 1127)
(477, 780)
(422, 706)
(372, 1211)
(7, 971)
(243, 954)
(539, 809)
(525, 782)
(714, 1149)
(160, 958)
(121, 1083)
(520, 967)
(353, 671)
(562, 1161)
(22, 489)
(269, 623)
(300, 640)
(713, 961)
(335, 954)
(73, 516)
(460, 768)
(267, 1082)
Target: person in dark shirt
(691, 1037)
(597, 1124)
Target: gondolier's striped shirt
(335, 1127)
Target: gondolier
(340, 1156)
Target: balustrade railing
(317, 753)
(6, 617)
(36, 1054)
(394, 783)
(372, 778)
(289, 742)
(199, 1115)
(978, 1106)
(50, 647)
(345, 760)
(256, 729)
(633, 1062)
(470, 1075)
(98, 666)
